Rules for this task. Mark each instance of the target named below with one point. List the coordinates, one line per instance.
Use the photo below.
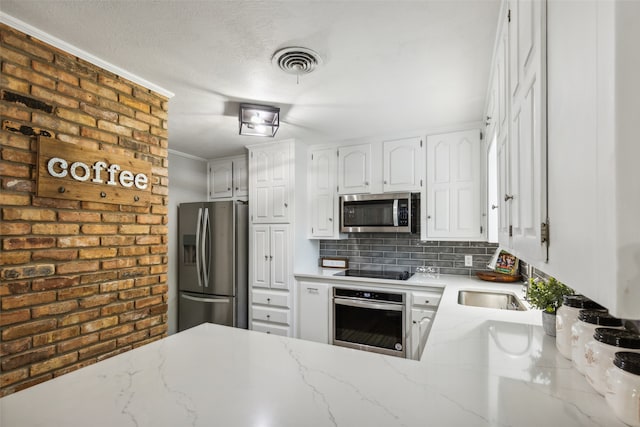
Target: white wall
(187, 183)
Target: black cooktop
(393, 275)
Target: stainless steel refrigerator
(213, 283)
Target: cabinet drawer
(273, 299)
(276, 315)
(426, 299)
(283, 331)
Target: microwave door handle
(198, 255)
(395, 212)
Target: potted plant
(546, 295)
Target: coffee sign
(69, 171)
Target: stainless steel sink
(499, 300)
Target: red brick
(78, 242)
(159, 289)
(86, 143)
(134, 103)
(135, 337)
(77, 267)
(96, 206)
(14, 316)
(114, 128)
(11, 258)
(99, 113)
(15, 112)
(12, 377)
(116, 332)
(148, 322)
(158, 330)
(115, 84)
(117, 285)
(98, 90)
(133, 251)
(130, 316)
(15, 57)
(74, 367)
(27, 358)
(75, 216)
(149, 219)
(79, 317)
(16, 85)
(54, 309)
(28, 75)
(56, 228)
(54, 72)
(14, 228)
(20, 141)
(161, 249)
(99, 229)
(97, 277)
(150, 260)
(76, 117)
(96, 349)
(117, 308)
(49, 122)
(79, 342)
(118, 263)
(28, 214)
(55, 254)
(15, 171)
(22, 185)
(28, 243)
(148, 118)
(14, 288)
(54, 283)
(34, 270)
(53, 363)
(133, 272)
(98, 324)
(146, 281)
(55, 336)
(148, 240)
(99, 135)
(53, 97)
(77, 292)
(146, 302)
(98, 300)
(11, 302)
(15, 346)
(118, 217)
(134, 293)
(29, 328)
(27, 46)
(96, 253)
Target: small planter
(549, 323)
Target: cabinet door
(279, 256)
(260, 257)
(314, 312)
(261, 186)
(403, 165)
(279, 165)
(502, 163)
(240, 178)
(453, 185)
(527, 136)
(354, 169)
(322, 178)
(220, 179)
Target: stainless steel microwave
(379, 213)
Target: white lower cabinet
(423, 310)
(313, 309)
(271, 312)
(283, 331)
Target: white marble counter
(481, 367)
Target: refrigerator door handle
(212, 300)
(205, 243)
(198, 239)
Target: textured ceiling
(391, 68)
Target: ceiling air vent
(296, 60)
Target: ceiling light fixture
(258, 120)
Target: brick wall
(80, 281)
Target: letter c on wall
(63, 166)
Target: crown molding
(73, 50)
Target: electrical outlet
(468, 260)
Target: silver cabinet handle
(385, 182)
(494, 207)
(237, 188)
(268, 316)
(508, 197)
(268, 300)
(229, 189)
(366, 183)
(331, 219)
(271, 257)
(428, 216)
(286, 205)
(266, 257)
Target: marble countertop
(481, 367)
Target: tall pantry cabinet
(277, 242)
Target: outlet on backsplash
(468, 260)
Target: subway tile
(410, 249)
(371, 253)
(426, 256)
(470, 251)
(385, 248)
(459, 271)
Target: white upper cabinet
(453, 186)
(240, 177)
(228, 177)
(321, 194)
(270, 183)
(526, 197)
(220, 178)
(403, 165)
(354, 169)
(594, 178)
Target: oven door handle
(367, 304)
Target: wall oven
(370, 320)
(374, 213)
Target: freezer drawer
(194, 310)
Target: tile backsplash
(401, 251)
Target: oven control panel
(369, 295)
